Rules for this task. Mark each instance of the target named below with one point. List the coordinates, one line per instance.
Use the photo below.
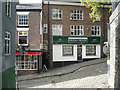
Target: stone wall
(114, 80)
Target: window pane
(23, 20)
(56, 29)
(22, 39)
(7, 42)
(56, 14)
(96, 30)
(76, 15)
(27, 62)
(77, 30)
(90, 50)
(67, 50)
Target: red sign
(30, 53)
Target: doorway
(79, 53)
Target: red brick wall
(34, 31)
(26, 72)
(66, 22)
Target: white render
(23, 13)
(98, 52)
(57, 53)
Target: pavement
(61, 70)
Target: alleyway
(93, 76)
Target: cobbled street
(93, 76)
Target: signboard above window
(76, 40)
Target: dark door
(79, 52)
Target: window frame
(57, 28)
(63, 50)
(93, 29)
(22, 15)
(23, 58)
(8, 40)
(8, 6)
(76, 15)
(57, 13)
(93, 47)
(80, 30)
(21, 36)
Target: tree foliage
(94, 5)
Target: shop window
(7, 43)
(67, 50)
(27, 62)
(8, 8)
(77, 30)
(23, 38)
(90, 50)
(96, 30)
(22, 20)
(76, 15)
(56, 29)
(56, 14)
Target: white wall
(57, 54)
(98, 52)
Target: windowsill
(91, 55)
(7, 54)
(76, 35)
(96, 35)
(23, 25)
(25, 45)
(68, 56)
(27, 69)
(75, 20)
(95, 21)
(57, 19)
(57, 35)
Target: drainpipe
(48, 37)
(41, 44)
(104, 26)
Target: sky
(30, 1)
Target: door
(79, 52)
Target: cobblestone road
(94, 76)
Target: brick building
(69, 34)
(29, 36)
